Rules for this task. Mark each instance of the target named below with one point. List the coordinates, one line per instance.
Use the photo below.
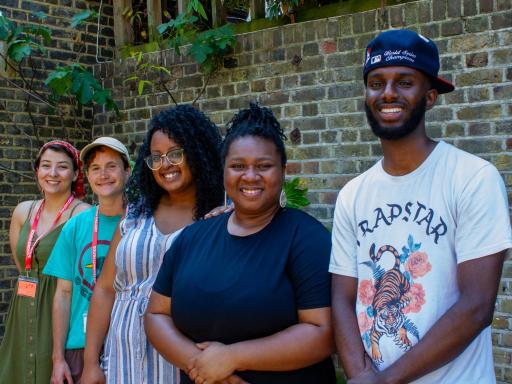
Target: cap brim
(442, 85)
(88, 147)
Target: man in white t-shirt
(419, 239)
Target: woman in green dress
(26, 350)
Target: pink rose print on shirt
(365, 323)
(366, 292)
(417, 264)
(416, 297)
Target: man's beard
(396, 133)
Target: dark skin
(253, 178)
(392, 88)
(391, 94)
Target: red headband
(78, 188)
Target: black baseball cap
(403, 47)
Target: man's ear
(431, 97)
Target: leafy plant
(210, 46)
(179, 31)
(135, 14)
(81, 17)
(197, 7)
(295, 191)
(140, 76)
(21, 41)
(207, 48)
(75, 80)
(288, 8)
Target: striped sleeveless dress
(128, 357)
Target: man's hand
(61, 372)
(93, 375)
(215, 363)
(370, 375)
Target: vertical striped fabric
(128, 356)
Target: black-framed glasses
(155, 162)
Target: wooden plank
(154, 17)
(218, 16)
(257, 8)
(3, 70)
(182, 6)
(123, 31)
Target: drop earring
(282, 199)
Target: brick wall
(310, 74)
(19, 138)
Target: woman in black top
(250, 290)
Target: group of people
(142, 288)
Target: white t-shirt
(403, 236)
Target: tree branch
(208, 77)
(16, 173)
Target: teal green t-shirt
(71, 259)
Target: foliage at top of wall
(184, 35)
(207, 48)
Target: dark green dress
(26, 350)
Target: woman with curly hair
(177, 179)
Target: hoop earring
(225, 199)
(282, 199)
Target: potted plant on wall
(276, 8)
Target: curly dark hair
(201, 141)
(255, 121)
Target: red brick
(328, 46)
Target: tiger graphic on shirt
(391, 295)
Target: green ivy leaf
(295, 193)
(200, 51)
(160, 69)
(196, 6)
(111, 105)
(75, 80)
(142, 84)
(6, 28)
(162, 28)
(101, 96)
(39, 31)
(85, 95)
(131, 78)
(18, 50)
(82, 17)
(40, 15)
(59, 81)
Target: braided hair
(200, 140)
(255, 121)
